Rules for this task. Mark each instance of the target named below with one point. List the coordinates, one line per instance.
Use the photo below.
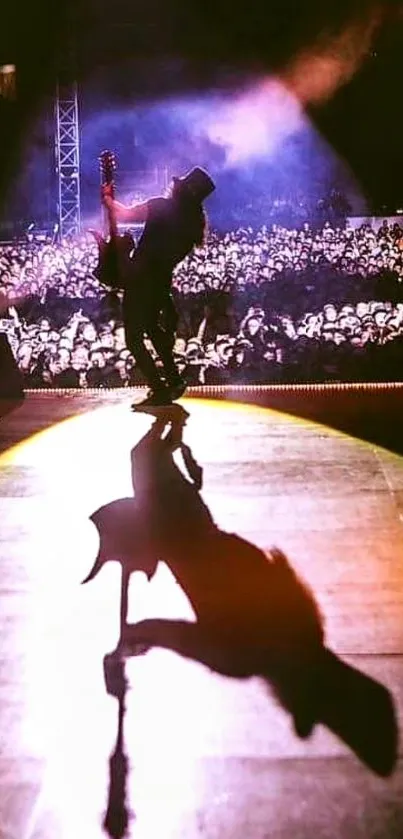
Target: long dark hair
(193, 217)
(196, 222)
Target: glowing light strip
(211, 389)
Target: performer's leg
(161, 329)
(135, 343)
(170, 319)
(163, 345)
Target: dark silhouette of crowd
(264, 305)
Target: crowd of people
(256, 306)
(290, 210)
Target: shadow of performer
(117, 816)
(254, 615)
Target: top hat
(197, 183)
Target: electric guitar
(115, 250)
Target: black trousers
(151, 316)
(170, 318)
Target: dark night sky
(211, 41)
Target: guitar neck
(111, 227)
(107, 168)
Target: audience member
(274, 304)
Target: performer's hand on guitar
(107, 196)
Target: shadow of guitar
(254, 615)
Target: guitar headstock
(107, 163)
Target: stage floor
(205, 754)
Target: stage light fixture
(8, 87)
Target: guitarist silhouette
(173, 226)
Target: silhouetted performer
(173, 227)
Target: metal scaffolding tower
(67, 142)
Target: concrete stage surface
(235, 722)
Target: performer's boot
(159, 396)
(177, 387)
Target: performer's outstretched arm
(137, 213)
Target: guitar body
(115, 262)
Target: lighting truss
(67, 142)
